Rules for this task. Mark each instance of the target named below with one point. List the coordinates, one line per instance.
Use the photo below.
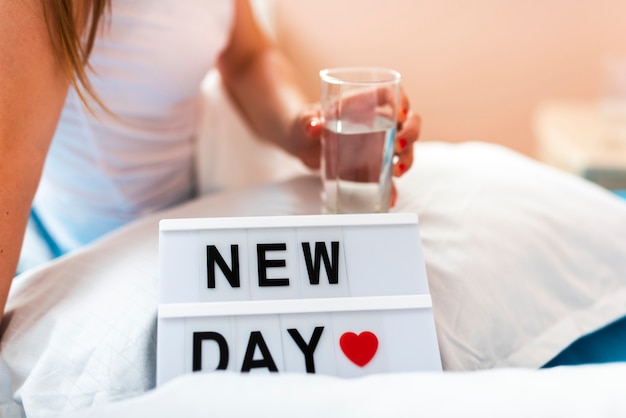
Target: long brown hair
(73, 26)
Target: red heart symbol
(360, 349)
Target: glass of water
(360, 112)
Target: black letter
(264, 264)
(313, 269)
(213, 256)
(307, 349)
(198, 337)
(256, 340)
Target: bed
(522, 259)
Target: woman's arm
(33, 87)
(262, 83)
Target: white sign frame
(408, 297)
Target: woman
(105, 93)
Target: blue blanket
(606, 345)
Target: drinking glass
(360, 110)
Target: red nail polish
(312, 126)
(405, 112)
(402, 142)
(401, 167)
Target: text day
(256, 341)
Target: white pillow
(522, 260)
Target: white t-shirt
(148, 64)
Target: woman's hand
(307, 129)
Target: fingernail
(405, 111)
(312, 126)
(402, 142)
(401, 167)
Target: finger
(367, 102)
(403, 107)
(314, 128)
(403, 163)
(311, 122)
(353, 103)
(304, 136)
(394, 195)
(408, 133)
(406, 138)
(387, 96)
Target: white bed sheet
(572, 392)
